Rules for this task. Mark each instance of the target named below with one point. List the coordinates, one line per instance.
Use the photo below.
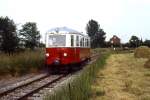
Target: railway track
(33, 88)
(25, 91)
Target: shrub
(142, 52)
(21, 63)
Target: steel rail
(9, 89)
(39, 88)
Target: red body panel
(74, 55)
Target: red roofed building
(115, 41)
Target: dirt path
(123, 78)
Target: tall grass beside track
(21, 63)
(80, 87)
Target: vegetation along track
(28, 89)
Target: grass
(21, 63)
(80, 87)
(123, 78)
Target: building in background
(115, 41)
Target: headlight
(47, 54)
(65, 54)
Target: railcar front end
(66, 48)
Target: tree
(8, 35)
(134, 41)
(96, 34)
(92, 28)
(147, 43)
(30, 36)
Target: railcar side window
(77, 41)
(87, 42)
(72, 40)
(83, 42)
(80, 41)
(56, 40)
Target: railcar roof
(62, 30)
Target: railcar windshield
(57, 40)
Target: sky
(123, 18)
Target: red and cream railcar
(66, 46)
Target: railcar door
(55, 43)
(73, 49)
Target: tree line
(98, 36)
(28, 36)
(12, 40)
(135, 41)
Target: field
(124, 77)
